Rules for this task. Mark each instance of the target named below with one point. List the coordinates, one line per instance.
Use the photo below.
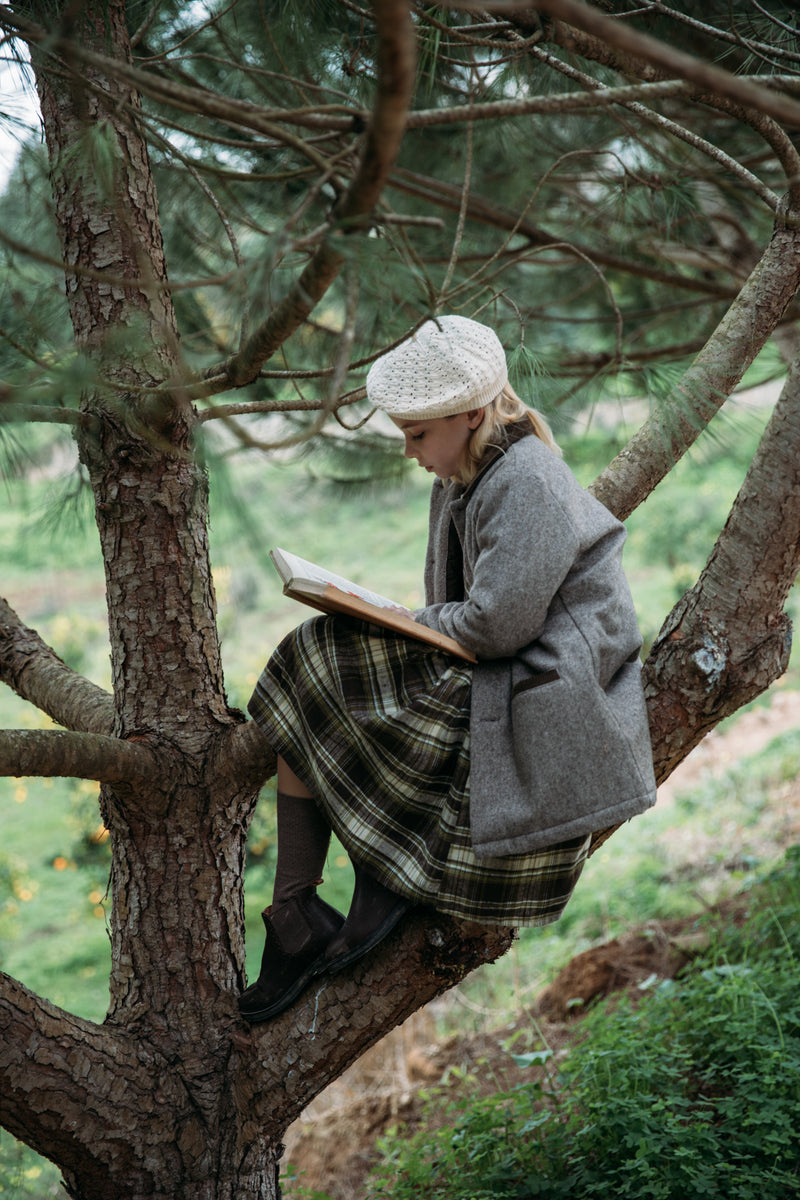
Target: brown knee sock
(304, 834)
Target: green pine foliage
(609, 258)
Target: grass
(52, 924)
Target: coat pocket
(572, 754)
(541, 679)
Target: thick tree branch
(705, 76)
(728, 639)
(244, 753)
(61, 752)
(60, 1073)
(668, 433)
(37, 674)
(341, 1017)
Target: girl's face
(440, 444)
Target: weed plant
(693, 1090)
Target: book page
(331, 593)
(301, 569)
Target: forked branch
(35, 672)
(742, 333)
(728, 639)
(86, 1080)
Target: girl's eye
(416, 437)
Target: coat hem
(540, 839)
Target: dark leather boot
(374, 912)
(298, 933)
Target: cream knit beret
(450, 365)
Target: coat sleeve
(521, 540)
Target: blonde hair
(503, 410)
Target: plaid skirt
(376, 726)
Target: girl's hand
(403, 612)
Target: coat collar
(513, 432)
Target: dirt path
(740, 737)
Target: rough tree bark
(172, 1096)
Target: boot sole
(317, 967)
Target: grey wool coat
(524, 568)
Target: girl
(470, 789)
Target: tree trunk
(154, 1117)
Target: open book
(331, 593)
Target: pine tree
(252, 205)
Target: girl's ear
(475, 417)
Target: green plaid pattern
(377, 728)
